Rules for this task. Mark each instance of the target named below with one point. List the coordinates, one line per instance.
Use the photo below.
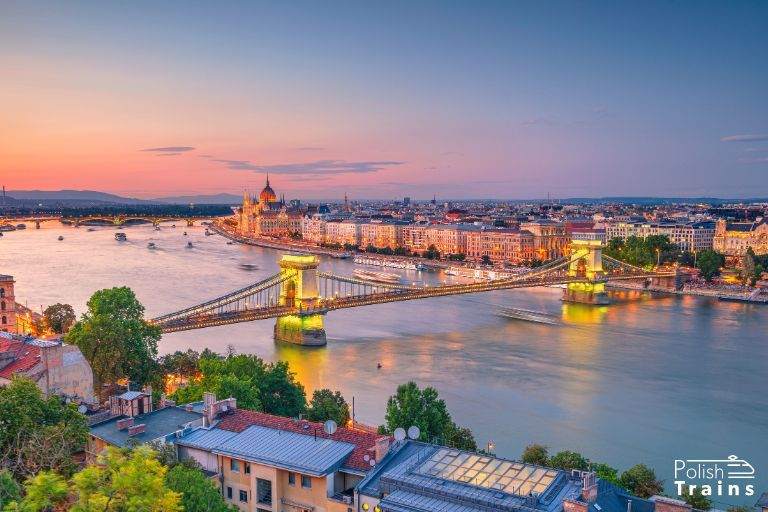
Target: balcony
(346, 497)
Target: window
(264, 491)
(229, 493)
(2, 306)
(234, 465)
(4, 320)
(247, 469)
(291, 478)
(306, 482)
(243, 496)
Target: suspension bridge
(299, 295)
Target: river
(647, 379)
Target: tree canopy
(258, 386)
(709, 263)
(536, 454)
(643, 252)
(641, 481)
(412, 406)
(328, 405)
(116, 340)
(59, 317)
(198, 492)
(38, 434)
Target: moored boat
(121, 237)
(151, 245)
(381, 277)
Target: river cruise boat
(120, 237)
(342, 255)
(21, 226)
(381, 277)
(529, 316)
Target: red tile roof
(24, 360)
(239, 419)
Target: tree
(740, 508)
(568, 460)
(59, 317)
(696, 499)
(115, 339)
(410, 406)
(709, 263)
(605, 472)
(44, 491)
(125, 480)
(38, 434)
(461, 438)
(10, 490)
(641, 481)
(486, 259)
(198, 492)
(328, 405)
(536, 454)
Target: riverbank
(746, 296)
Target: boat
(185, 233)
(21, 226)
(341, 255)
(249, 266)
(452, 272)
(151, 245)
(421, 266)
(7, 227)
(528, 315)
(120, 237)
(189, 245)
(230, 242)
(61, 238)
(91, 229)
(173, 225)
(207, 233)
(1, 233)
(381, 277)
(157, 228)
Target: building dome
(267, 194)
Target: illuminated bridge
(299, 295)
(117, 220)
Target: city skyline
(503, 101)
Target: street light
(658, 257)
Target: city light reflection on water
(646, 379)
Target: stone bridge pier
(300, 291)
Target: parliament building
(267, 215)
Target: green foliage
(641, 481)
(457, 257)
(709, 263)
(643, 252)
(370, 248)
(536, 454)
(740, 508)
(696, 499)
(116, 340)
(431, 253)
(38, 434)
(125, 480)
(568, 460)
(199, 493)
(328, 405)
(45, 491)
(59, 317)
(182, 364)
(605, 472)
(486, 259)
(10, 490)
(258, 386)
(412, 406)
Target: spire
(267, 179)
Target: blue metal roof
(402, 501)
(205, 439)
(160, 423)
(286, 450)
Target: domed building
(267, 215)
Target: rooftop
(364, 442)
(159, 424)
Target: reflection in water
(647, 379)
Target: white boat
(249, 266)
(381, 277)
(341, 256)
(529, 316)
(452, 272)
(157, 228)
(151, 245)
(120, 237)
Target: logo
(715, 477)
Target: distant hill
(79, 196)
(202, 199)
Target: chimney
(134, 430)
(124, 423)
(382, 448)
(589, 487)
(629, 505)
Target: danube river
(647, 379)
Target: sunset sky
(386, 99)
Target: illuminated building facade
(7, 304)
(734, 238)
(267, 215)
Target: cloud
(537, 120)
(318, 167)
(310, 148)
(205, 156)
(752, 137)
(169, 154)
(171, 149)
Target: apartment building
(343, 231)
(380, 234)
(511, 245)
(693, 236)
(550, 238)
(734, 238)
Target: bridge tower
(300, 291)
(586, 263)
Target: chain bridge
(299, 295)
